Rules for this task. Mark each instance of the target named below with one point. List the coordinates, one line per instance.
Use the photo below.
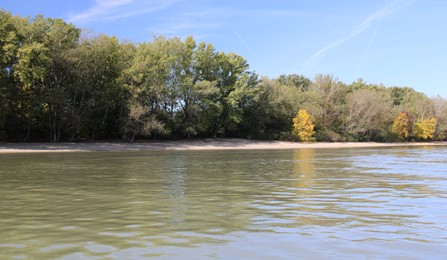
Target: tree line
(58, 83)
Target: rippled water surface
(308, 204)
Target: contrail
(387, 10)
(370, 41)
(242, 40)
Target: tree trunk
(27, 137)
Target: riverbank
(205, 144)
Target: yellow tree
(303, 126)
(401, 126)
(425, 129)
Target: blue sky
(394, 42)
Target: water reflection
(227, 204)
(175, 188)
(304, 167)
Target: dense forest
(57, 83)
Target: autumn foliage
(303, 126)
(425, 129)
(401, 127)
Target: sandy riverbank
(207, 144)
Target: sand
(205, 144)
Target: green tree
(59, 38)
(139, 122)
(440, 108)
(418, 105)
(368, 114)
(97, 96)
(399, 93)
(270, 111)
(152, 80)
(9, 42)
(326, 101)
(235, 84)
(29, 71)
(36, 70)
(298, 81)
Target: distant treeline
(58, 85)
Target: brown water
(388, 203)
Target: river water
(388, 203)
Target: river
(373, 203)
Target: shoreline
(191, 145)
